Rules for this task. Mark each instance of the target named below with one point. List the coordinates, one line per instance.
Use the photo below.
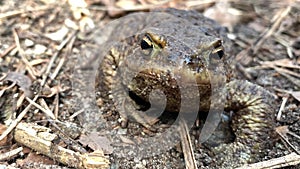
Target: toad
(181, 61)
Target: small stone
(139, 165)
(122, 131)
(28, 43)
(39, 49)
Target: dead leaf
(127, 140)
(296, 95)
(49, 92)
(22, 81)
(111, 9)
(96, 142)
(126, 4)
(86, 23)
(282, 130)
(28, 43)
(35, 158)
(39, 49)
(59, 35)
(224, 14)
(4, 141)
(71, 24)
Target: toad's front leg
(253, 123)
(110, 79)
(127, 108)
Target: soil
(38, 26)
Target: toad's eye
(146, 43)
(218, 52)
(152, 44)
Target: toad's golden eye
(146, 43)
(152, 44)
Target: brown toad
(182, 57)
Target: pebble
(39, 49)
(28, 43)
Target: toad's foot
(129, 109)
(253, 123)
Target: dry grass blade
(68, 53)
(55, 55)
(29, 68)
(295, 94)
(283, 131)
(265, 35)
(286, 44)
(288, 74)
(287, 63)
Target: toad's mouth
(164, 68)
(172, 77)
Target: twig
(187, 148)
(48, 112)
(8, 50)
(284, 100)
(40, 139)
(76, 114)
(8, 155)
(21, 11)
(288, 160)
(56, 105)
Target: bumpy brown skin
(181, 59)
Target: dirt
(34, 27)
